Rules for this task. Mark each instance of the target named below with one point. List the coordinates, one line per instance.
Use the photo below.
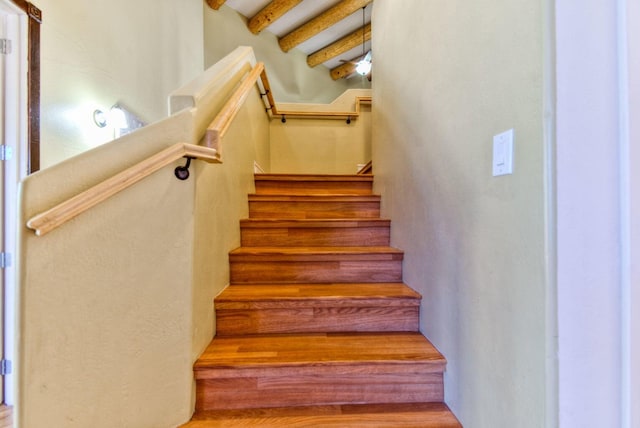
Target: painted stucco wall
(322, 146)
(598, 189)
(94, 54)
(115, 306)
(221, 200)
(292, 80)
(454, 74)
(104, 301)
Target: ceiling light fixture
(363, 67)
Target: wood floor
(6, 416)
(317, 328)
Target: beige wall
(115, 305)
(94, 54)
(454, 74)
(221, 200)
(322, 146)
(292, 80)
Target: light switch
(503, 153)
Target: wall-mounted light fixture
(99, 118)
(120, 119)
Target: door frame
(34, 16)
(15, 136)
(21, 114)
(629, 47)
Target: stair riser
(313, 210)
(315, 237)
(281, 390)
(313, 187)
(316, 320)
(320, 272)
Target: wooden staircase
(317, 328)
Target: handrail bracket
(182, 172)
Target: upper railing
(208, 150)
(219, 126)
(284, 114)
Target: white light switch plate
(503, 153)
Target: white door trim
(629, 107)
(16, 136)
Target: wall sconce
(99, 118)
(119, 118)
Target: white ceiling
(303, 13)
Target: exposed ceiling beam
(341, 46)
(215, 4)
(320, 23)
(270, 13)
(344, 70)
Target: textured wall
(94, 54)
(454, 74)
(322, 146)
(221, 200)
(105, 300)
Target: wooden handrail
(218, 127)
(222, 121)
(309, 114)
(45, 222)
(327, 114)
(268, 92)
(65, 211)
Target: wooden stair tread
(316, 295)
(320, 349)
(313, 223)
(320, 251)
(313, 184)
(315, 232)
(426, 415)
(316, 198)
(327, 205)
(314, 177)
